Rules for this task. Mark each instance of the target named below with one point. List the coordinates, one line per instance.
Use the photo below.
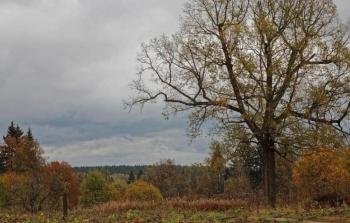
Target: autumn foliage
(27, 181)
(142, 191)
(60, 180)
(322, 176)
(12, 188)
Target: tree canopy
(265, 65)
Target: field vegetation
(224, 188)
(270, 78)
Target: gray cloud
(65, 66)
(128, 149)
(73, 58)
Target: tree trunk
(270, 173)
(65, 206)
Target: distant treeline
(122, 169)
(119, 169)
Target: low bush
(142, 191)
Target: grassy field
(180, 212)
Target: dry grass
(207, 204)
(121, 206)
(182, 204)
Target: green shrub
(95, 189)
(142, 191)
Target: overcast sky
(65, 67)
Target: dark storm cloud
(65, 66)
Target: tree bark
(270, 173)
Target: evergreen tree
(20, 153)
(30, 135)
(8, 150)
(14, 131)
(131, 177)
(11, 131)
(19, 132)
(2, 162)
(139, 174)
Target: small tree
(217, 164)
(60, 180)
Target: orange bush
(322, 175)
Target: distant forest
(119, 169)
(122, 169)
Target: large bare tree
(262, 64)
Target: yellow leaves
(322, 173)
(142, 191)
(222, 101)
(265, 26)
(319, 98)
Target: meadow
(181, 211)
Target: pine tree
(7, 152)
(11, 131)
(30, 135)
(14, 131)
(19, 132)
(131, 177)
(20, 153)
(2, 162)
